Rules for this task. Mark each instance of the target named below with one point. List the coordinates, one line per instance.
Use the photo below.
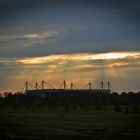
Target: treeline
(126, 102)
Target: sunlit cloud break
(79, 56)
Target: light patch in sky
(82, 56)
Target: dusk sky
(79, 41)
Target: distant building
(40, 89)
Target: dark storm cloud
(131, 8)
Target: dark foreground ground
(60, 125)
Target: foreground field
(97, 125)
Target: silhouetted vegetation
(70, 116)
(126, 102)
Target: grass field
(43, 124)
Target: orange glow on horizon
(77, 68)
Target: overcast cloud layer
(35, 30)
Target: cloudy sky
(80, 41)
